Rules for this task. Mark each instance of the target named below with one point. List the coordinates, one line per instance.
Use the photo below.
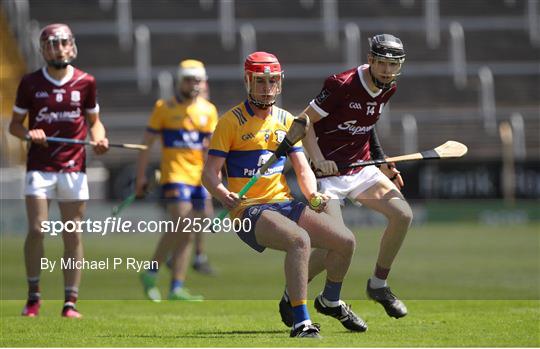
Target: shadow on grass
(203, 334)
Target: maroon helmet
(57, 45)
(386, 49)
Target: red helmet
(262, 76)
(57, 45)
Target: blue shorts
(290, 209)
(174, 192)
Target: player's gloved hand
(37, 136)
(390, 171)
(317, 202)
(141, 183)
(101, 146)
(325, 168)
(232, 200)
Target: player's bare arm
(97, 133)
(142, 162)
(307, 182)
(17, 128)
(389, 169)
(211, 179)
(327, 167)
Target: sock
(380, 272)
(176, 284)
(375, 282)
(200, 258)
(33, 289)
(71, 294)
(331, 292)
(154, 270)
(300, 313)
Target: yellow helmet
(191, 68)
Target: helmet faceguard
(190, 76)
(262, 77)
(57, 45)
(386, 58)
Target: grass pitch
(256, 323)
(464, 285)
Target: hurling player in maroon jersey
(60, 101)
(343, 116)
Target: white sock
(200, 258)
(375, 282)
(331, 304)
(305, 322)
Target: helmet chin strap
(59, 64)
(380, 84)
(182, 95)
(260, 105)
(189, 95)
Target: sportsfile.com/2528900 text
(119, 225)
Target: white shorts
(63, 186)
(341, 187)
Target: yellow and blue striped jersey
(247, 142)
(185, 130)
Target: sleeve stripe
(219, 153)
(283, 117)
(238, 113)
(93, 110)
(318, 109)
(19, 110)
(295, 149)
(152, 130)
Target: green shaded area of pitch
(437, 261)
(256, 324)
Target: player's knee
(404, 215)
(348, 244)
(71, 240)
(35, 233)
(185, 237)
(300, 242)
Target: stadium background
(476, 233)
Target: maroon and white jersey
(57, 107)
(349, 110)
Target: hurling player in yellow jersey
(184, 124)
(244, 139)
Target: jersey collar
(248, 108)
(251, 112)
(53, 81)
(364, 83)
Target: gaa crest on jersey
(203, 119)
(355, 105)
(75, 96)
(248, 136)
(323, 95)
(42, 94)
(280, 135)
